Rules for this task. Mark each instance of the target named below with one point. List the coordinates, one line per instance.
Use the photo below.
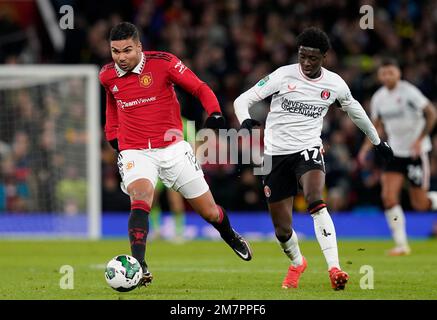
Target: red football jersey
(142, 110)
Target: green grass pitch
(210, 270)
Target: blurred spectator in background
(14, 190)
(434, 230)
(71, 192)
(229, 44)
(112, 199)
(249, 195)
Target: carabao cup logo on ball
(123, 273)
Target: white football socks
(432, 195)
(396, 221)
(325, 234)
(291, 249)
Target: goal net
(49, 151)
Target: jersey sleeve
(181, 75)
(345, 97)
(374, 112)
(261, 90)
(268, 85)
(356, 113)
(415, 97)
(111, 125)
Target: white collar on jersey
(311, 79)
(138, 69)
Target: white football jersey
(298, 106)
(401, 112)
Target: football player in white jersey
(407, 117)
(301, 95)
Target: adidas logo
(114, 88)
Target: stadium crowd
(43, 138)
(230, 45)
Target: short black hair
(314, 38)
(389, 61)
(123, 31)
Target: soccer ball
(123, 273)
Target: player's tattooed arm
(430, 121)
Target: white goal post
(50, 130)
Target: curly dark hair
(314, 38)
(124, 31)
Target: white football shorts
(175, 165)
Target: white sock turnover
(432, 195)
(291, 249)
(325, 234)
(396, 221)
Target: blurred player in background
(143, 123)
(302, 94)
(177, 209)
(174, 199)
(407, 117)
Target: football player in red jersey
(143, 123)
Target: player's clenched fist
(385, 151)
(249, 124)
(215, 121)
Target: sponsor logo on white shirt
(304, 109)
(291, 87)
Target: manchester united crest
(146, 80)
(130, 165)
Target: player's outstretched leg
(325, 233)
(177, 208)
(280, 212)
(230, 236)
(217, 217)
(138, 229)
(396, 221)
(432, 196)
(298, 261)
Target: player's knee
(420, 205)
(283, 235)
(282, 232)
(313, 197)
(210, 213)
(141, 193)
(389, 201)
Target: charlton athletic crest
(146, 80)
(267, 192)
(325, 94)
